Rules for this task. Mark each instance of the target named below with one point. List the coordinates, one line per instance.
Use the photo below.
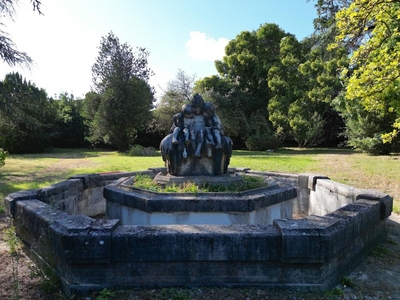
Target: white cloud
(204, 48)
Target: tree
(227, 98)
(178, 92)
(69, 126)
(245, 66)
(26, 118)
(325, 25)
(295, 111)
(247, 61)
(120, 80)
(371, 31)
(8, 51)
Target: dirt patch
(378, 277)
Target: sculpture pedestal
(194, 166)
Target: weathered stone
(309, 254)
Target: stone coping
(149, 201)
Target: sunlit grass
(33, 171)
(280, 161)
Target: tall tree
(247, 61)
(370, 30)
(301, 98)
(178, 92)
(325, 24)
(8, 49)
(120, 79)
(227, 98)
(26, 118)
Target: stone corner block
(301, 241)
(81, 239)
(11, 199)
(306, 180)
(385, 200)
(87, 179)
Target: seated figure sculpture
(179, 120)
(197, 144)
(213, 125)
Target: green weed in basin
(147, 183)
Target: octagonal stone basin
(134, 206)
(332, 230)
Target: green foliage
(138, 150)
(13, 244)
(121, 103)
(262, 141)
(247, 61)
(178, 92)
(8, 50)
(302, 86)
(347, 282)
(370, 30)
(249, 182)
(364, 129)
(333, 294)
(145, 182)
(105, 294)
(26, 116)
(3, 155)
(380, 251)
(230, 105)
(69, 126)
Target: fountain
(197, 151)
(300, 232)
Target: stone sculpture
(196, 144)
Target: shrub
(262, 142)
(138, 150)
(3, 155)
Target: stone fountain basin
(134, 206)
(334, 227)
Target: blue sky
(179, 34)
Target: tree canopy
(370, 29)
(178, 92)
(8, 50)
(247, 61)
(122, 99)
(26, 117)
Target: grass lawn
(32, 171)
(350, 167)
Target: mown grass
(33, 171)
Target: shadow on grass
(14, 182)
(67, 153)
(296, 151)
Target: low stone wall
(311, 253)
